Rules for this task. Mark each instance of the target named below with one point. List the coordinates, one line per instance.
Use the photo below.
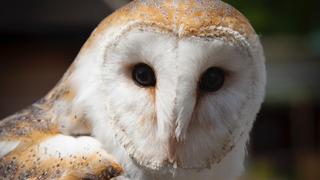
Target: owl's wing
(32, 147)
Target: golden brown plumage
(31, 128)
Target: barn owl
(162, 89)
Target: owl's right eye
(143, 75)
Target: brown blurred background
(40, 38)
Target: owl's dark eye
(212, 79)
(143, 75)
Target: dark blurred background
(40, 38)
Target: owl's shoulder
(32, 121)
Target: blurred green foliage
(271, 17)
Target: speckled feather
(33, 126)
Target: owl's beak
(184, 107)
(185, 101)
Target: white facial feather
(145, 124)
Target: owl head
(175, 83)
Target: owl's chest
(132, 172)
(229, 168)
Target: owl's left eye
(212, 79)
(143, 75)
